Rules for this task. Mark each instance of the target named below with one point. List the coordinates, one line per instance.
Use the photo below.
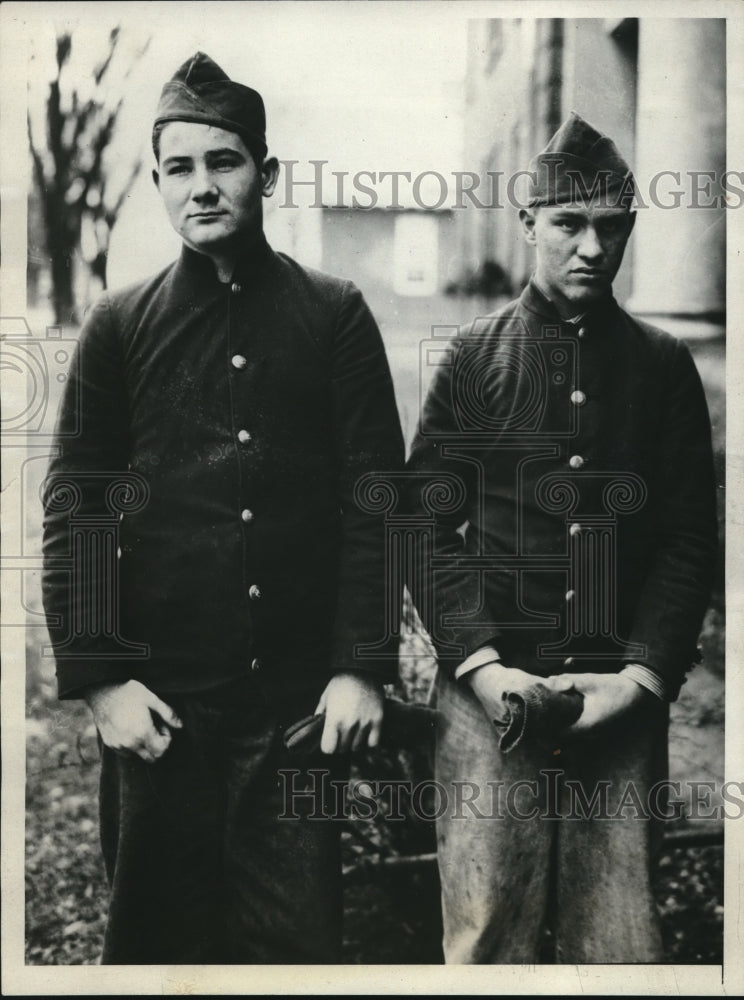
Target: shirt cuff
(647, 678)
(482, 656)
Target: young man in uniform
(226, 407)
(576, 565)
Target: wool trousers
(204, 863)
(521, 848)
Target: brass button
(244, 436)
(247, 515)
(254, 592)
(576, 461)
(570, 595)
(582, 331)
(575, 529)
(578, 398)
(235, 288)
(568, 662)
(255, 665)
(238, 361)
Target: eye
(225, 164)
(177, 168)
(611, 227)
(567, 225)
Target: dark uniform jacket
(246, 413)
(574, 524)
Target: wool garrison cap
(577, 164)
(200, 91)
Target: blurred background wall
(657, 86)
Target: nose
(590, 247)
(203, 185)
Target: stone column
(679, 252)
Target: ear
(270, 175)
(527, 218)
(156, 179)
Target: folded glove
(404, 725)
(537, 714)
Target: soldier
(242, 396)
(575, 569)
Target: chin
(207, 245)
(202, 239)
(584, 295)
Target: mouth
(589, 272)
(207, 215)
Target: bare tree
(71, 171)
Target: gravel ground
(388, 919)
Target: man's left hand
(353, 706)
(606, 697)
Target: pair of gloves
(536, 713)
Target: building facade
(657, 86)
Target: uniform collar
(251, 264)
(536, 301)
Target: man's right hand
(490, 681)
(132, 719)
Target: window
(416, 254)
(495, 42)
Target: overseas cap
(202, 92)
(578, 164)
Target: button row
(247, 515)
